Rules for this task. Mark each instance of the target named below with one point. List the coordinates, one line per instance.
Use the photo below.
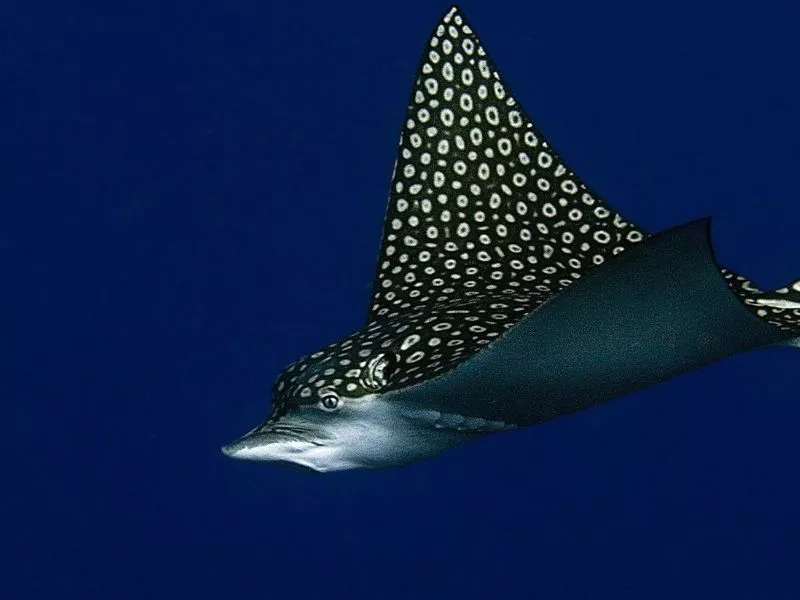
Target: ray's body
(506, 292)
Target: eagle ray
(506, 291)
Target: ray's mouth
(272, 434)
(279, 430)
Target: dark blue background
(192, 196)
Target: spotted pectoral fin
(479, 199)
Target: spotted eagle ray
(507, 292)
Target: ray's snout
(229, 450)
(237, 448)
(271, 445)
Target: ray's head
(328, 412)
(346, 407)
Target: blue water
(192, 196)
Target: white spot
(544, 160)
(447, 71)
(499, 90)
(447, 117)
(777, 302)
(602, 236)
(476, 136)
(504, 146)
(569, 186)
(415, 357)
(410, 341)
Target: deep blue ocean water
(192, 196)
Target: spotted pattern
(780, 307)
(481, 206)
(422, 343)
(485, 222)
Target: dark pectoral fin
(658, 309)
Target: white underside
(373, 433)
(305, 454)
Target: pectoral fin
(657, 310)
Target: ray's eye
(329, 400)
(379, 370)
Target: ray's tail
(780, 307)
